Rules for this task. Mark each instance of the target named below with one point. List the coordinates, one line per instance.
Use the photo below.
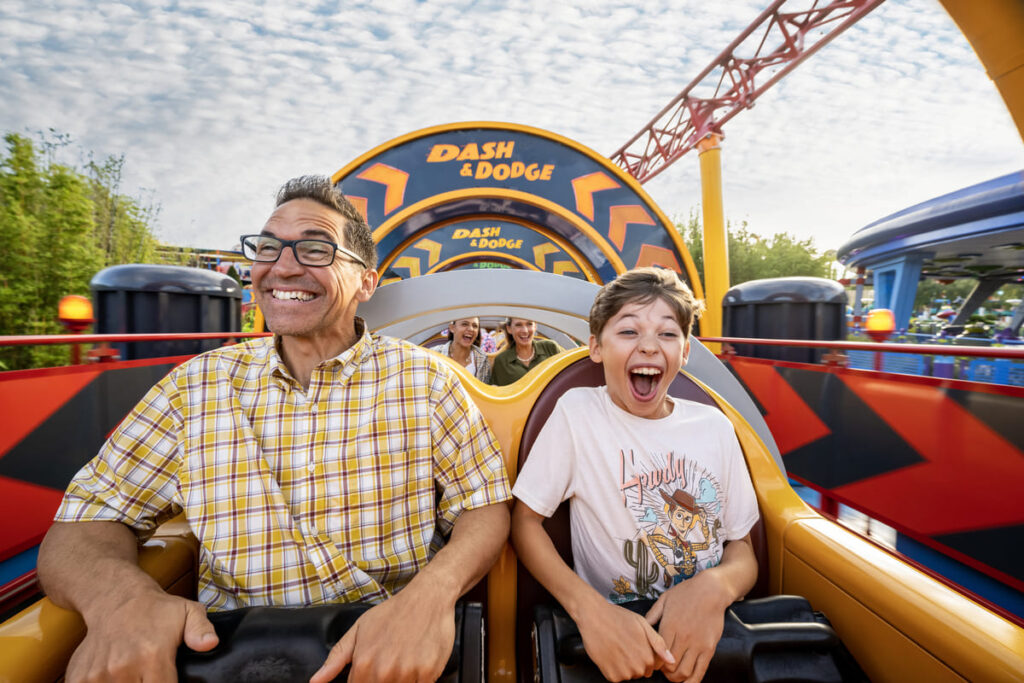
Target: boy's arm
(692, 613)
(622, 644)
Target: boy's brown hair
(644, 285)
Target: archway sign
(485, 194)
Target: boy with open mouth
(641, 468)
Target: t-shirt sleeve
(133, 479)
(546, 478)
(469, 466)
(741, 501)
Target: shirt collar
(347, 361)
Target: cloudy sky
(214, 104)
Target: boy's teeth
(646, 371)
(292, 295)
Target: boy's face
(642, 348)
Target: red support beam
(735, 81)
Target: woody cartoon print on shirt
(675, 503)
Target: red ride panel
(973, 475)
(25, 402)
(27, 511)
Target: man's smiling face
(305, 301)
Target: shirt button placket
(311, 467)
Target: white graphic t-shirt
(653, 501)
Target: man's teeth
(645, 371)
(291, 295)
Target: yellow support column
(716, 244)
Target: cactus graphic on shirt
(647, 570)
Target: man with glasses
(322, 465)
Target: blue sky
(215, 104)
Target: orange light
(880, 320)
(74, 308)
(75, 312)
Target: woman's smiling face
(522, 331)
(464, 331)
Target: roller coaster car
(899, 623)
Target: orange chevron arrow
(432, 248)
(395, 181)
(584, 188)
(410, 262)
(563, 267)
(651, 255)
(620, 216)
(359, 203)
(540, 254)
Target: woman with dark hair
(522, 353)
(464, 347)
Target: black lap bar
(779, 638)
(281, 644)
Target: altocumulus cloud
(214, 104)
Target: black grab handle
(281, 645)
(769, 639)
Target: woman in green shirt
(523, 351)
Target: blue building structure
(976, 232)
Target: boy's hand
(692, 615)
(621, 643)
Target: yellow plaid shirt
(336, 494)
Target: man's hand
(138, 640)
(409, 637)
(620, 642)
(133, 626)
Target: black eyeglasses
(315, 253)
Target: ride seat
(529, 592)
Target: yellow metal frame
(716, 241)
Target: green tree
(752, 257)
(928, 290)
(59, 226)
(46, 226)
(122, 224)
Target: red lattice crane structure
(688, 119)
